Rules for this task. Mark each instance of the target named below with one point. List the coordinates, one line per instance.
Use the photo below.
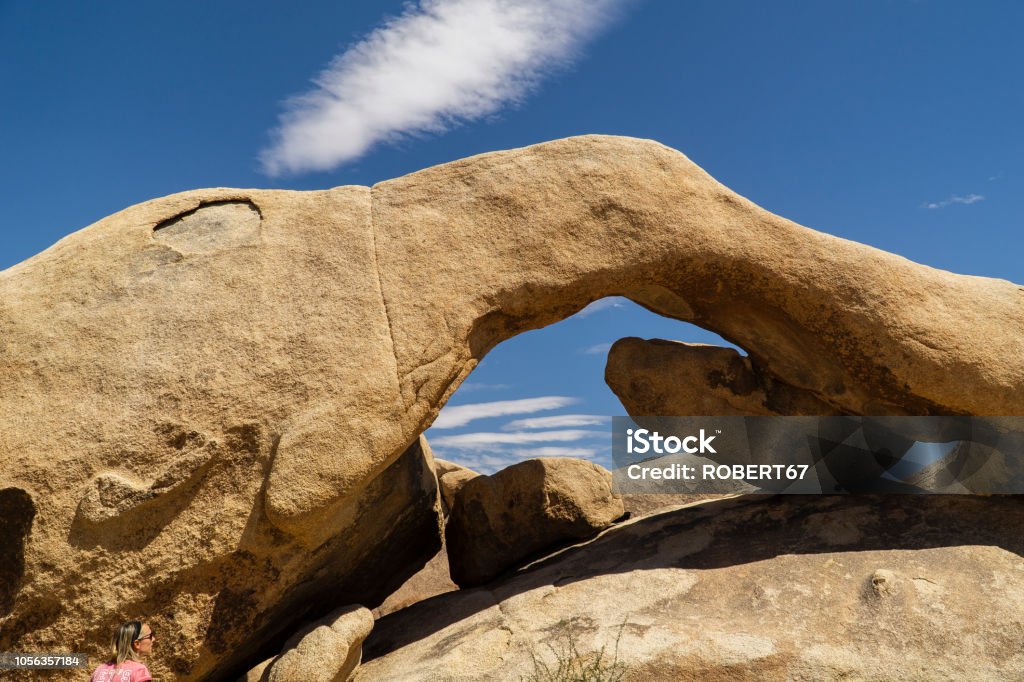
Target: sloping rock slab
(754, 588)
(431, 580)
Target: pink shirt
(129, 671)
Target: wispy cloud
(492, 461)
(441, 63)
(596, 349)
(460, 415)
(485, 463)
(955, 199)
(473, 386)
(561, 421)
(553, 451)
(495, 460)
(474, 440)
(488, 452)
(602, 304)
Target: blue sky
(892, 122)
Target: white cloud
(475, 440)
(473, 386)
(440, 63)
(602, 304)
(492, 461)
(484, 463)
(596, 349)
(554, 451)
(561, 421)
(955, 199)
(460, 415)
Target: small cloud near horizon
(955, 199)
(439, 64)
(596, 349)
(492, 462)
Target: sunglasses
(151, 635)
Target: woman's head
(131, 640)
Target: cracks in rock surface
(383, 296)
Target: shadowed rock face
(198, 394)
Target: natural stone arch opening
(565, 359)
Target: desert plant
(571, 665)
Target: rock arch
(336, 323)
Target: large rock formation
(898, 587)
(198, 394)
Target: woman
(131, 641)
